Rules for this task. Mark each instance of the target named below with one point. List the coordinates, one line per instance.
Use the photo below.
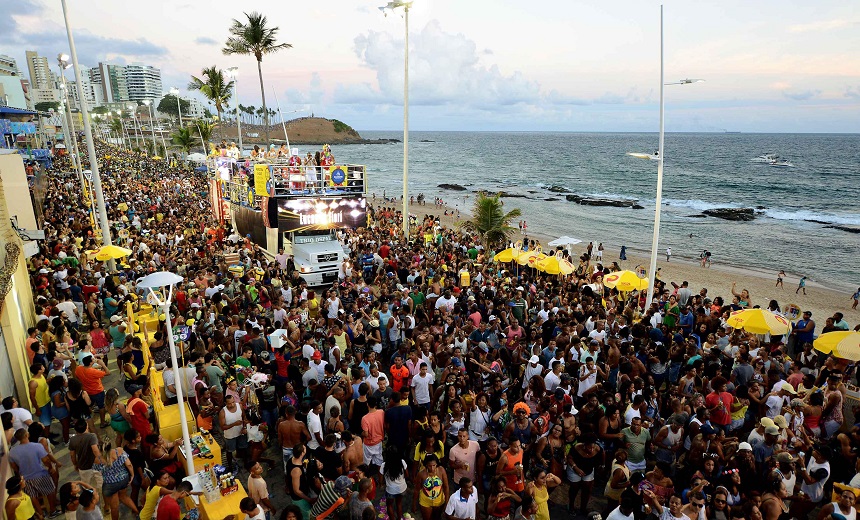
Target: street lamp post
(175, 92)
(133, 109)
(91, 145)
(658, 200)
(406, 6)
(234, 74)
(148, 103)
(166, 280)
(63, 60)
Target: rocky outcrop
(508, 195)
(741, 214)
(849, 229)
(558, 189)
(454, 187)
(598, 201)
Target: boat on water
(781, 164)
(766, 158)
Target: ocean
(702, 171)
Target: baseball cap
(780, 421)
(766, 421)
(317, 355)
(374, 323)
(483, 346)
(788, 388)
(534, 359)
(342, 484)
(771, 430)
(784, 457)
(492, 317)
(58, 363)
(115, 318)
(744, 446)
(707, 429)
(264, 355)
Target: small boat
(767, 158)
(781, 164)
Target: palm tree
(257, 38)
(216, 88)
(116, 128)
(204, 130)
(183, 139)
(489, 221)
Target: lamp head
(159, 280)
(63, 57)
(174, 91)
(147, 102)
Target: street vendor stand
(224, 508)
(209, 452)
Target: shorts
(109, 490)
(92, 477)
(636, 466)
(288, 455)
(373, 454)
(574, 477)
(98, 400)
(59, 413)
(240, 442)
(40, 486)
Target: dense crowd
(427, 381)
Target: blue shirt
(686, 322)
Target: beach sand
(822, 301)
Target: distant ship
(731, 131)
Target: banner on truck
(310, 214)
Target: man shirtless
(291, 433)
(353, 455)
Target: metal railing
(288, 180)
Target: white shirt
(774, 405)
(19, 416)
(422, 387)
(460, 507)
(314, 427)
(70, 309)
(552, 381)
(616, 514)
(447, 303)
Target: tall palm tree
(216, 88)
(116, 128)
(258, 38)
(489, 220)
(183, 139)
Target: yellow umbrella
(554, 264)
(102, 257)
(843, 344)
(526, 258)
(508, 255)
(625, 281)
(112, 251)
(759, 321)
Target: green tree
(255, 38)
(216, 88)
(100, 110)
(46, 106)
(489, 220)
(168, 105)
(204, 131)
(183, 139)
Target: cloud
(312, 95)
(801, 95)
(852, 92)
(205, 40)
(444, 68)
(823, 25)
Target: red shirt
(168, 509)
(373, 425)
(91, 379)
(721, 414)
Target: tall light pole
(234, 75)
(133, 109)
(88, 131)
(166, 280)
(658, 200)
(148, 103)
(406, 6)
(175, 92)
(122, 128)
(63, 61)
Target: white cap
(534, 359)
(744, 446)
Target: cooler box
(168, 422)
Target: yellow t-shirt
(465, 278)
(151, 503)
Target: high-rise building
(8, 66)
(43, 82)
(93, 95)
(95, 75)
(144, 82)
(114, 86)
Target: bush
(340, 126)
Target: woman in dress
(502, 501)
(539, 489)
(119, 419)
(549, 452)
(59, 410)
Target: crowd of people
(427, 381)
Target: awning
(9, 111)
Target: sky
(495, 65)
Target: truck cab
(317, 256)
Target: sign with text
(262, 180)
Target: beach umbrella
(759, 321)
(625, 281)
(527, 257)
(843, 344)
(554, 264)
(196, 157)
(564, 241)
(508, 255)
(105, 253)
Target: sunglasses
(699, 504)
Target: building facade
(144, 82)
(8, 66)
(43, 82)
